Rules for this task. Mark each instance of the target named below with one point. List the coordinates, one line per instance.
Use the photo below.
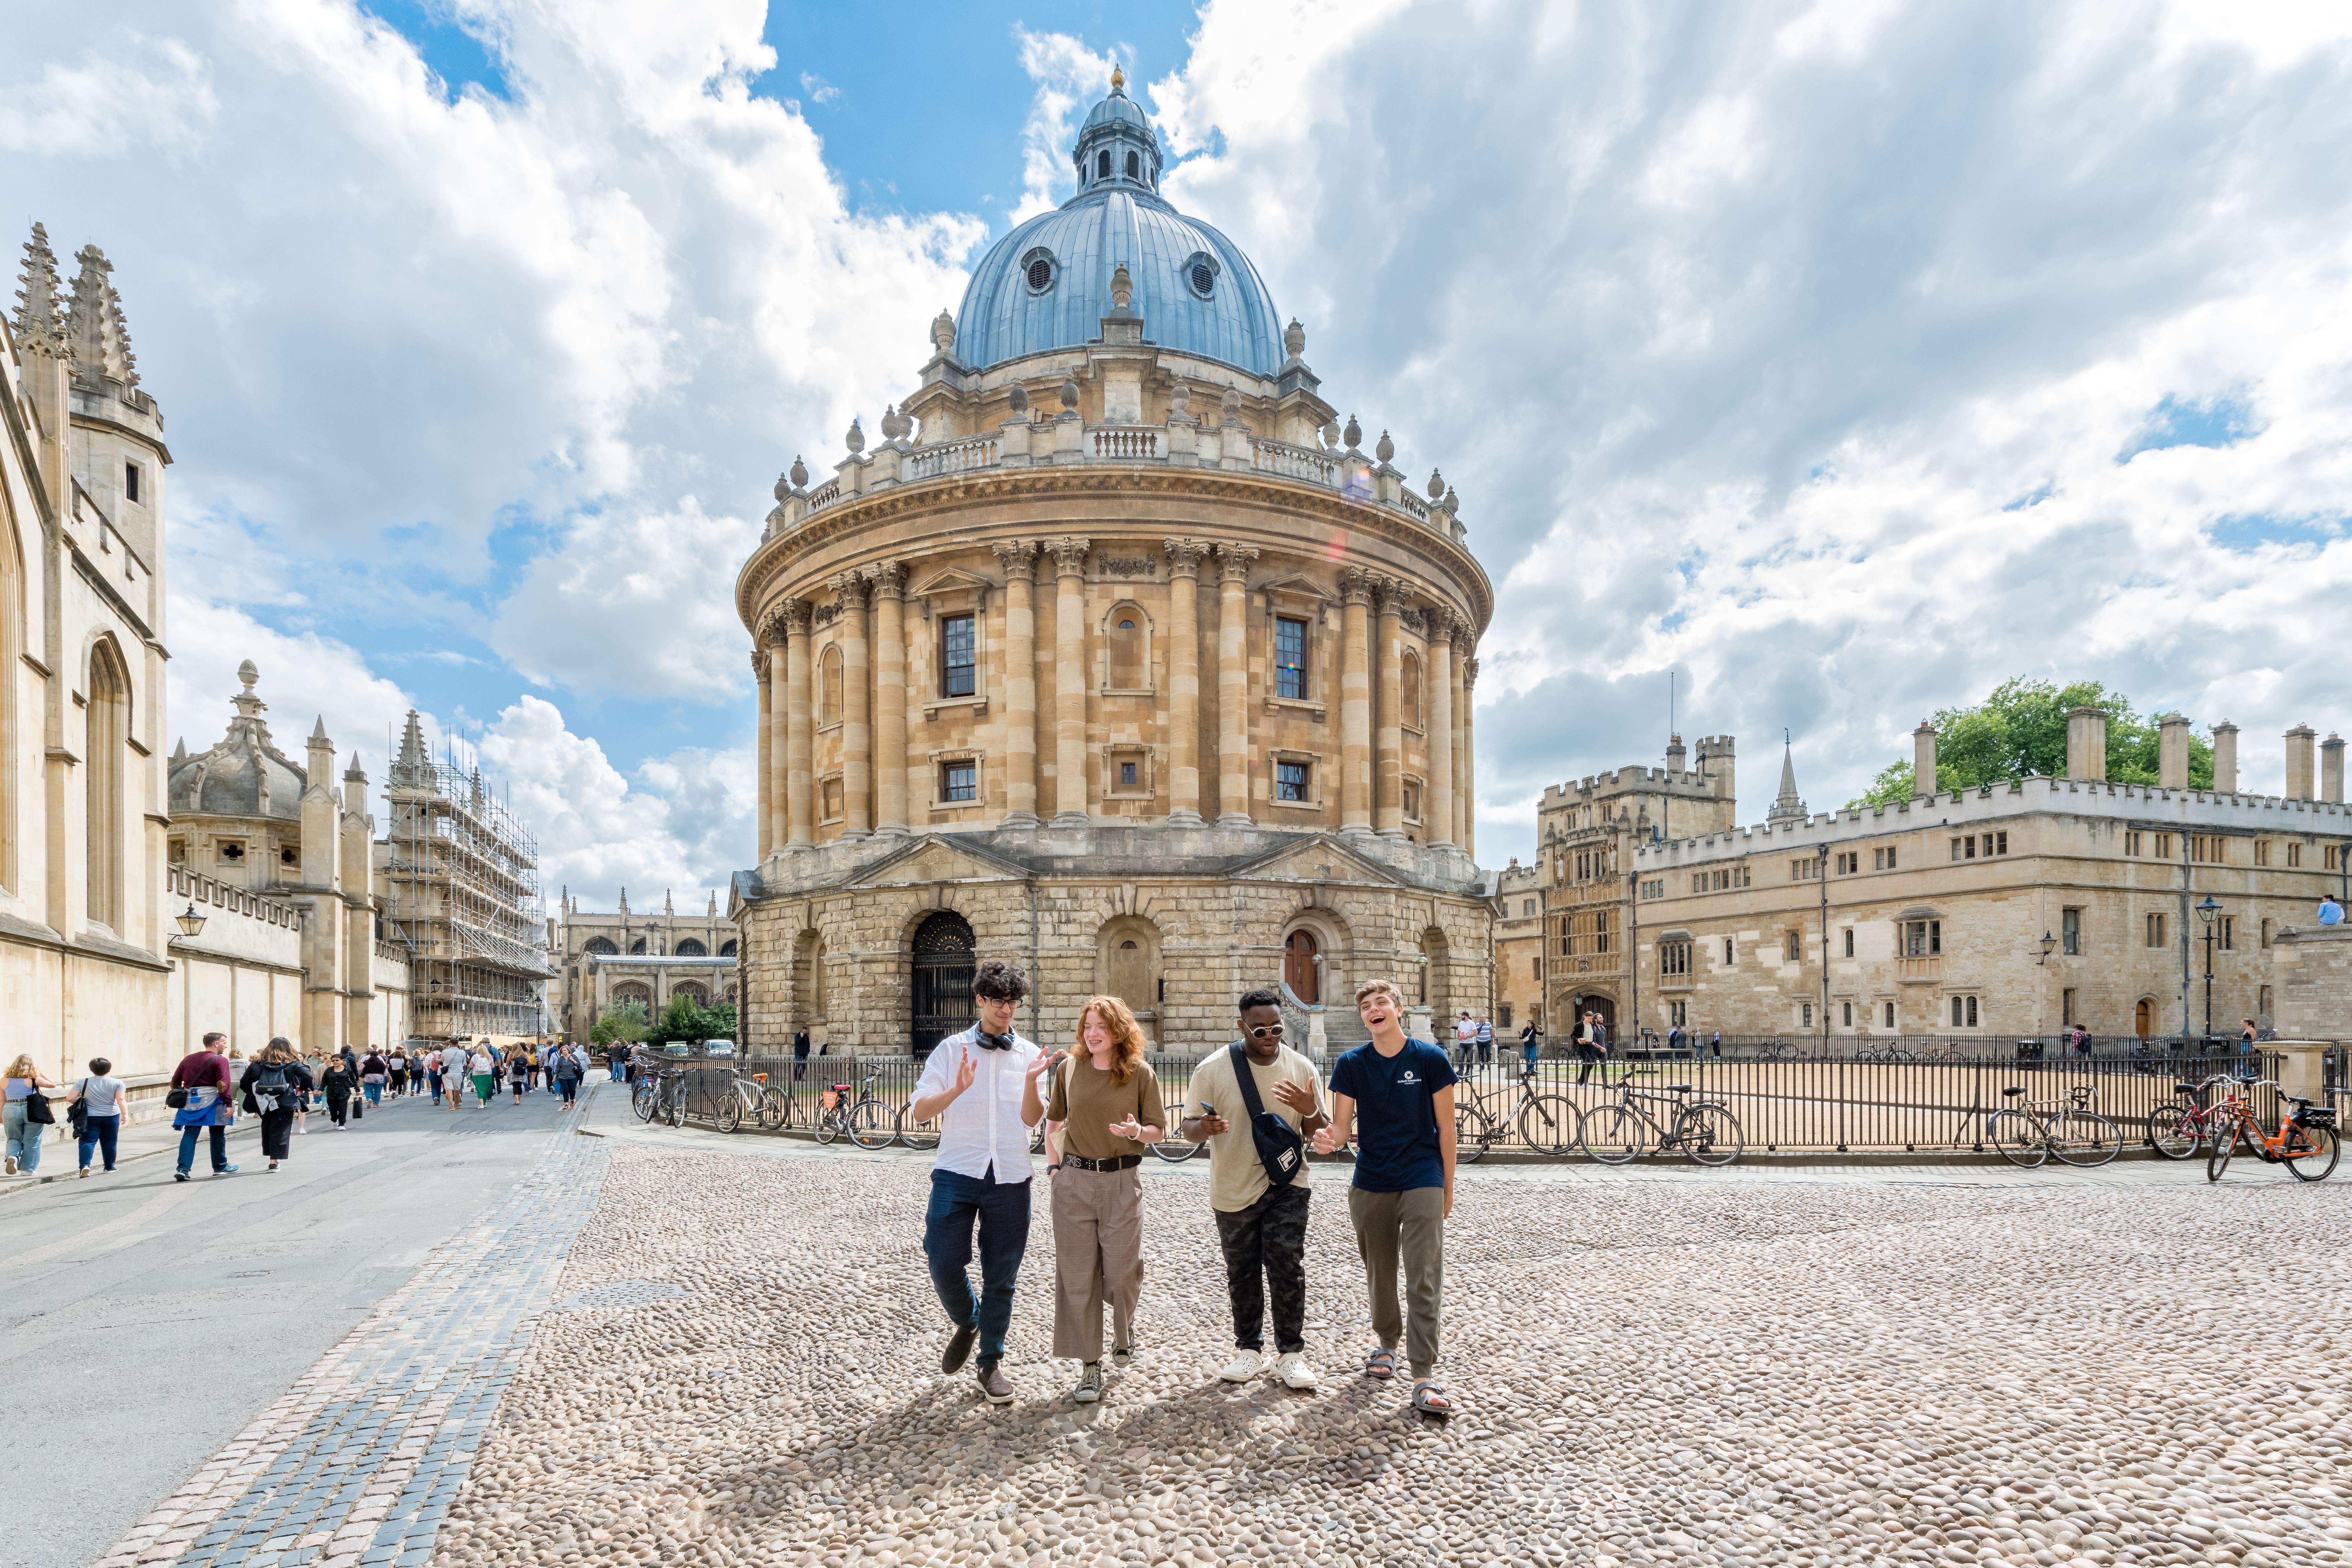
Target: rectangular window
(2294, 853)
(1883, 859)
(1728, 950)
(1126, 777)
(2266, 933)
(2261, 851)
(1849, 861)
(2132, 843)
(2067, 1008)
(959, 781)
(2208, 848)
(1674, 958)
(1796, 946)
(2262, 1007)
(2000, 843)
(1922, 939)
(1847, 1016)
(1890, 1015)
(129, 481)
(1503, 1018)
(2156, 931)
(958, 676)
(1289, 657)
(2229, 924)
(1677, 1014)
(1849, 941)
(1411, 802)
(2070, 933)
(1808, 1015)
(2164, 845)
(1964, 1012)
(1804, 870)
(2332, 859)
(1527, 907)
(1290, 781)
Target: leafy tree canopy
(2021, 730)
(683, 1020)
(622, 1025)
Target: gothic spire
(412, 768)
(101, 342)
(37, 309)
(1788, 807)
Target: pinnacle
(319, 731)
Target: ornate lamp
(2049, 944)
(190, 922)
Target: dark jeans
(188, 1136)
(1001, 1209)
(339, 1109)
(571, 1087)
(100, 1131)
(277, 1133)
(1265, 1248)
(1587, 1055)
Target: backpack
(1280, 1148)
(269, 1088)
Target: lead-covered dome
(1047, 285)
(244, 774)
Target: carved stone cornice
(796, 613)
(1069, 555)
(1018, 558)
(1184, 556)
(1234, 561)
(888, 579)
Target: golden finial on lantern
(1117, 79)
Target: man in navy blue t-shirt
(1403, 1188)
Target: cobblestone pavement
(1787, 1368)
(359, 1459)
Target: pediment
(1323, 861)
(937, 860)
(953, 579)
(1297, 588)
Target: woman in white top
(100, 1098)
(24, 1132)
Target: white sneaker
(1246, 1364)
(1294, 1373)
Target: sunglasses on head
(1273, 1031)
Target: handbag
(176, 1098)
(78, 1110)
(1280, 1149)
(37, 1111)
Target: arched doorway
(2144, 1018)
(1299, 968)
(1579, 1006)
(944, 954)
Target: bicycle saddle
(2020, 1090)
(1676, 1088)
(2185, 1088)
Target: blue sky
(1844, 359)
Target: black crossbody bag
(1280, 1149)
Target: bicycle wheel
(828, 1125)
(775, 1110)
(1610, 1133)
(1548, 1124)
(727, 1114)
(1711, 1135)
(2311, 1152)
(1472, 1133)
(2085, 1138)
(2174, 1131)
(1173, 1148)
(918, 1135)
(2219, 1144)
(2018, 1137)
(643, 1102)
(873, 1125)
(674, 1104)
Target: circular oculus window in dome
(1200, 272)
(1039, 270)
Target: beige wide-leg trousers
(1097, 1257)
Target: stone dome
(244, 775)
(1047, 284)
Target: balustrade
(1130, 443)
(952, 457)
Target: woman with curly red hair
(1106, 1104)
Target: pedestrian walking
(980, 1085)
(1589, 1050)
(98, 1106)
(800, 1052)
(336, 1087)
(1257, 1181)
(1531, 1044)
(302, 1099)
(570, 1067)
(519, 1071)
(271, 1088)
(1403, 1188)
(483, 1067)
(433, 1073)
(456, 1065)
(1106, 1108)
(27, 1115)
(1485, 1037)
(1466, 1038)
(396, 1072)
(1718, 1044)
(375, 1072)
(200, 1098)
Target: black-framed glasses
(1269, 1031)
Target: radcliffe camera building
(1118, 654)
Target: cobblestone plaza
(668, 1347)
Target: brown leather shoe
(994, 1384)
(959, 1349)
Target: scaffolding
(460, 876)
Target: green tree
(2020, 730)
(622, 1025)
(684, 1019)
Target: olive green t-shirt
(1086, 1102)
(1236, 1176)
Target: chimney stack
(2225, 757)
(1675, 757)
(2172, 751)
(2086, 743)
(2331, 768)
(2299, 768)
(1923, 759)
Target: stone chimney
(1923, 759)
(2331, 768)
(2299, 769)
(2086, 743)
(2225, 757)
(1675, 756)
(2172, 751)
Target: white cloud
(1071, 79)
(305, 678)
(153, 96)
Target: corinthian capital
(1395, 592)
(1355, 584)
(1469, 673)
(1069, 555)
(1017, 558)
(851, 587)
(759, 664)
(1234, 561)
(1184, 556)
(796, 614)
(889, 579)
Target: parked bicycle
(1547, 1122)
(868, 1121)
(747, 1095)
(1881, 1054)
(1616, 1133)
(2177, 1129)
(660, 1097)
(2029, 1132)
(2304, 1142)
(1173, 1148)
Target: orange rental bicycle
(2304, 1142)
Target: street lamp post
(2210, 913)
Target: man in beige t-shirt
(1261, 1225)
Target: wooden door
(1298, 970)
(2144, 1018)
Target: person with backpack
(338, 1085)
(374, 1073)
(1254, 1103)
(272, 1088)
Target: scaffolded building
(460, 877)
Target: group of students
(1258, 1105)
(518, 1069)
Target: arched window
(1102, 167)
(638, 945)
(1126, 659)
(691, 948)
(602, 946)
(944, 955)
(828, 688)
(110, 728)
(726, 950)
(1408, 693)
(694, 989)
(1134, 166)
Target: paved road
(147, 1323)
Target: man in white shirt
(456, 1060)
(975, 1083)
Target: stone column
(2086, 743)
(1469, 804)
(1069, 681)
(1923, 759)
(890, 580)
(771, 756)
(857, 706)
(2331, 768)
(2172, 751)
(1387, 734)
(2300, 785)
(1019, 559)
(1232, 685)
(1184, 680)
(1355, 703)
(1461, 736)
(800, 771)
(1437, 796)
(2225, 757)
